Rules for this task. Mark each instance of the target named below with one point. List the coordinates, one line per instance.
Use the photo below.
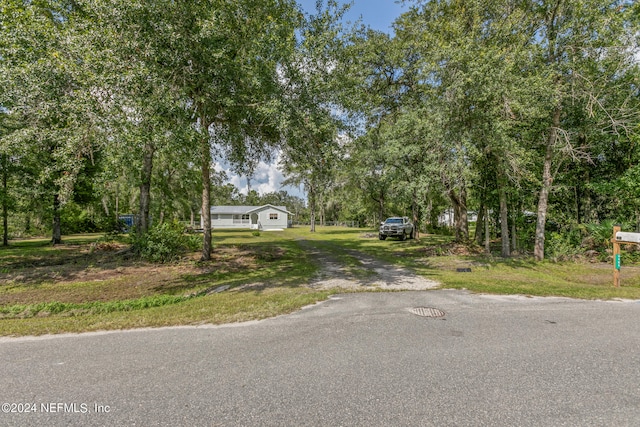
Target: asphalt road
(356, 360)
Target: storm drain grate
(427, 312)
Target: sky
(378, 14)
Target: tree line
(523, 111)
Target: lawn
(86, 284)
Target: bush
(164, 242)
(563, 246)
(74, 219)
(580, 239)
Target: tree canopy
(522, 115)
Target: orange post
(616, 257)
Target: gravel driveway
(370, 273)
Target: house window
(214, 217)
(241, 219)
(273, 216)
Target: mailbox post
(619, 238)
(616, 257)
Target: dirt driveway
(352, 269)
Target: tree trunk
(479, 233)
(433, 218)
(547, 180)
(56, 239)
(117, 202)
(415, 215)
(514, 239)
(105, 205)
(145, 188)
(322, 212)
(504, 219)
(5, 202)
(381, 207)
(487, 236)
(515, 212)
(461, 224)
(312, 208)
(206, 190)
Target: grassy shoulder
(87, 285)
(226, 307)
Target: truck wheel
(403, 237)
(382, 237)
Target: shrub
(74, 219)
(579, 239)
(564, 245)
(163, 243)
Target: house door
(254, 221)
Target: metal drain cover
(427, 312)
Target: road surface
(357, 360)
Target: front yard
(85, 285)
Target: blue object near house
(128, 221)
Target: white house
(446, 218)
(267, 217)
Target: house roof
(242, 210)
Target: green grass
(81, 286)
(227, 307)
(489, 274)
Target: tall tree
(220, 62)
(45, 90)
(224, 58)
(311, 153)
(146, 114)
(582, 48)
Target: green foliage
(164, 242)
(96, 307)
(75, 220)
(591, 239)
(598, 236)
(564, 246)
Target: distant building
(266, 217)
(446, 218)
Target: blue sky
(379, 15)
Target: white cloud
(267, 178)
